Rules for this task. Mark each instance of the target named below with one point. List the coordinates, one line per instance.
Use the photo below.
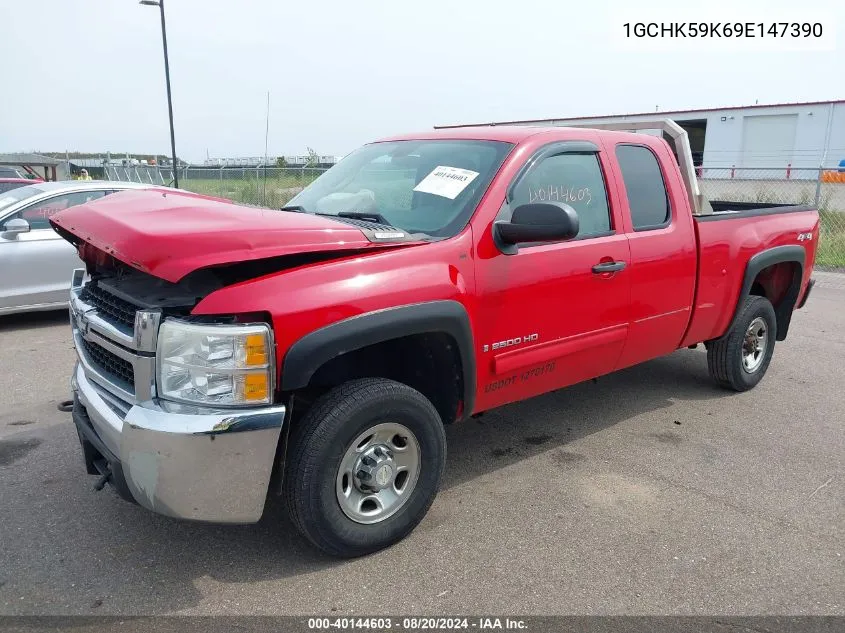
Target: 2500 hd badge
(511, 342)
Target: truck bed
(727, 239)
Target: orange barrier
(833, 176)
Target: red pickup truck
(227, 352)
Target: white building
(770, 137)
(258, 161)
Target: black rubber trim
(764, 259)
(749, 212)
(513, 249)
(97, 456)
(806, 296)
(310, 352)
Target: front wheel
(740, 358)
(364, 465)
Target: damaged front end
(182, 412)
(190, 461)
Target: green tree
(313, 158)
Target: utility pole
(160, 5)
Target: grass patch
(831, 250)
(274, 192)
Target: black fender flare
(764, 259)
(309, 353)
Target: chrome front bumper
(181, 461)
(190, 465)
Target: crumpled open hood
(170, 234)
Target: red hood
(170, 234)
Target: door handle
(608, 267)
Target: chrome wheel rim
(378, 473)
(754, 345)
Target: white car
(36, 264)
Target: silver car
(35, 263)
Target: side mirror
(536, 222)
(15, 227)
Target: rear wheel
(364, 465)
(739, 359)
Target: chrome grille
(110, 306)
(116, 340)
(109, 364)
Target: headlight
(215, 364)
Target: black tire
(318, 443)
(725, 355)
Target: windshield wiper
(363, 215)
(377, 218)
(370, 216)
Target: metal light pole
(160, 5)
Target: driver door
(555, 314)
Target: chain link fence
(823, 189)
(258, 186)
(275, 186)
(267, 187)
(152, 174)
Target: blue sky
(87, 75)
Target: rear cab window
(571, 178)
(648, 199)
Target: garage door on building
(768, 141)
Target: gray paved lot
(649, 492)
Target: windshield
(420, 186)
(8, 198)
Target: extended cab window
(644, 184)
(574, 179)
